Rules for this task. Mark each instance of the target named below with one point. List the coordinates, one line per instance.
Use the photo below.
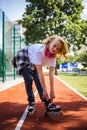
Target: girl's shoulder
(37, 47)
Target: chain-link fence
(10, 42)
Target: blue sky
(84, 15)
(14, 9)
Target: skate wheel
(46, 114)
(61, 112)
(31, 113)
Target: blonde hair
(64, 49)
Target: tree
(82, 58)
(46, 17)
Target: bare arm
(51, 79)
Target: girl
(29, 62)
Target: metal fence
(10, 42)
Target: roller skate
(31, 108)
(52, 110)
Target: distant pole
(3, 47)
(14, 48)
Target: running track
(14, 115)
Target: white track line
(71, 88)
(22, 119)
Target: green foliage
(46, 17)
(82, 57)
(58, 62)
(71, 58)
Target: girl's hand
(45, 94)
(52, 95)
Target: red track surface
(13, 103)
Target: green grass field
(76, 81)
